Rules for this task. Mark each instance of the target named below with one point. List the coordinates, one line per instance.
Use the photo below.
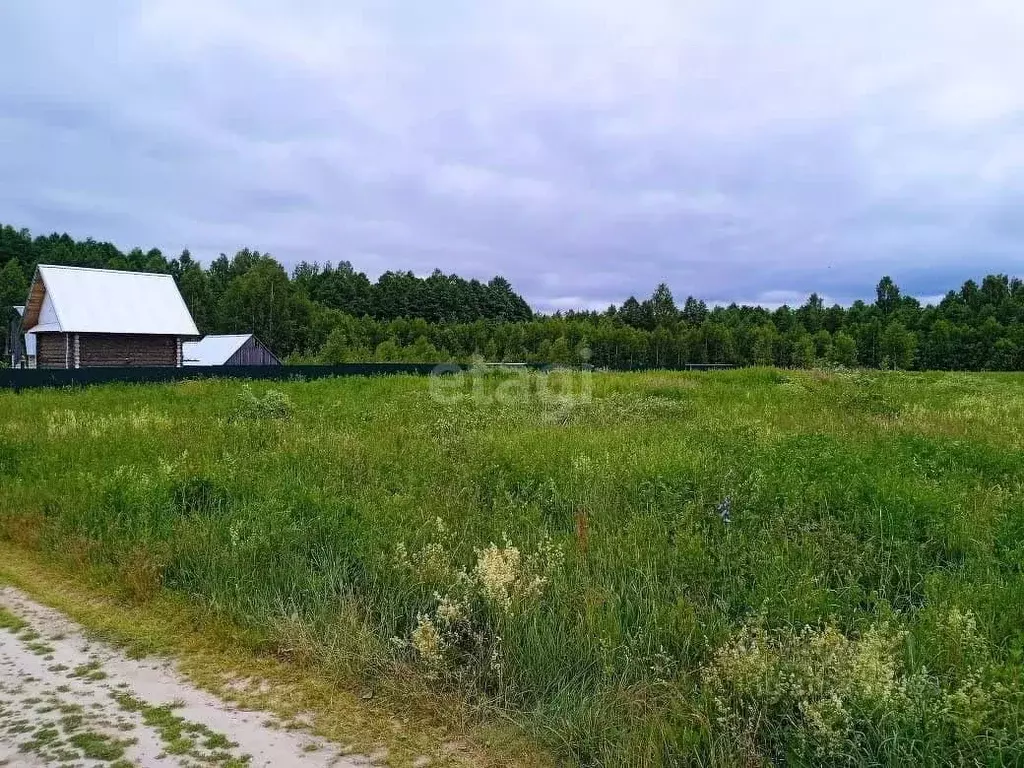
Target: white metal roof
(212, 350)
(44, 328)
(109, 301)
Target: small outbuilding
(21, 346)
(241, 349)
(13, 342)
(83, 318)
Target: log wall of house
(106, 350)
(126, 350)
(52, 351)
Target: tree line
(333, 313)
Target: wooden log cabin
(241, 349)
(84, 318)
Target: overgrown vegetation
(272, 404)
(742, 568)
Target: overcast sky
(585, 149)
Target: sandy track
(68, 700)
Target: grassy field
(747, 567)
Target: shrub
(834, 695)
(272, 404)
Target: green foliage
(819, 695)
(844, 350)
(272, 404)
(13, 285)
(887, 296)
(195, 290)
(11, 621)
(766, 342)
(262, 301)
(99, 746)
(13, 289)
(897, 346)
(802, 354)
(663, 306)
(335, 314)
(567, 563)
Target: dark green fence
(21, 378)
(16, 378)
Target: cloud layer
(585, 149)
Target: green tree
(195, 290)
(13, 288)
(662, 344)
(887, 295)
(388, 351)
(897, 346)
(695, 312)
(342, 347)
(663, 306)
(801, 349)
(635, 314)
(422, 351)
(560, 352)
(260, 300)
(844, 350)
(13, 285)
(812, 314)
(766, 342)
(823, 345)
(1006, 356)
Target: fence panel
(17, 378)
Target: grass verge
(759, 567)
(231, 663)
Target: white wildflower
(428, 641)
(450, 611)
(497, 569)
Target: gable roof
(81, 300)
(212, 350)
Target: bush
(273, 404)
(827, 695)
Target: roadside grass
(99, 746)
(735, 568)
(236, 664)
(10, 621)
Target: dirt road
(68, 700)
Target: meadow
(735, 568)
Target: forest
(332, 313)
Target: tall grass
(572, 563)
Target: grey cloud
(586, 150)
